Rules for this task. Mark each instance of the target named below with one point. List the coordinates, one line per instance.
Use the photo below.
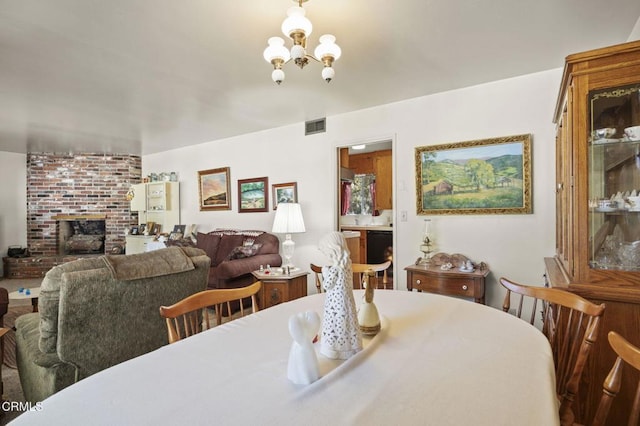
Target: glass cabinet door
(614, 178)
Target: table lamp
(288, 221)
(426, 247)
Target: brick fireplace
(78, 187)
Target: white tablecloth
(438, 361)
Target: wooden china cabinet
(597, 228)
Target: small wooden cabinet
(597, 244)
(279, 288)
(453, 282)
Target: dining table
(437, 360)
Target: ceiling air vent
(315, 126)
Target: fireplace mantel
(80, 217)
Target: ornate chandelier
(297, 27)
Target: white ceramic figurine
(303, 367)
(341, 337)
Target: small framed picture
(284, 193)
(176, 235)
(141, 228)
(157, 227)
(253, 195)
(149, 228)
(179, 228)
(134, 230)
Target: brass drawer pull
(465, 287)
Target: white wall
(13, 201)
(512, 245)
(635, 32)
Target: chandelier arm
(312, 57)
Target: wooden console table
(453, 282)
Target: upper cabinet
(378, 163)
(157, 202)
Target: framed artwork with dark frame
(486, 176)
(253, 195)
(214, 189)
(284, 193)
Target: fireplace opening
(81, 236)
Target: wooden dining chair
(379, 269)
(571, 324)
(359, 270)
(317, 270)
(188, 316)
(629, 354)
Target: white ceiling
(145, 76)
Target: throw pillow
(244, 251)
(227, 244)
(209, 243)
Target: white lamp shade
(296, 21)
(288, 219)
(276, 49)
(328, 47)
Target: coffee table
(34, 293)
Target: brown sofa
(235, 254)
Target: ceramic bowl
(633, 133)
(605, 133)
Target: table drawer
(449, 286)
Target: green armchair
(99, 311)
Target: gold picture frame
(485, 176)
(214, 188)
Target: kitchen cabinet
(597, 228)
(380, 164)
(362, 243)
(353, 244)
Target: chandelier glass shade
(298, 28)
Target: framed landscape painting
(487, 176)
(284, 193)
(215, 189)
(253, 195)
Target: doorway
(365, 201)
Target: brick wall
(78, 184)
